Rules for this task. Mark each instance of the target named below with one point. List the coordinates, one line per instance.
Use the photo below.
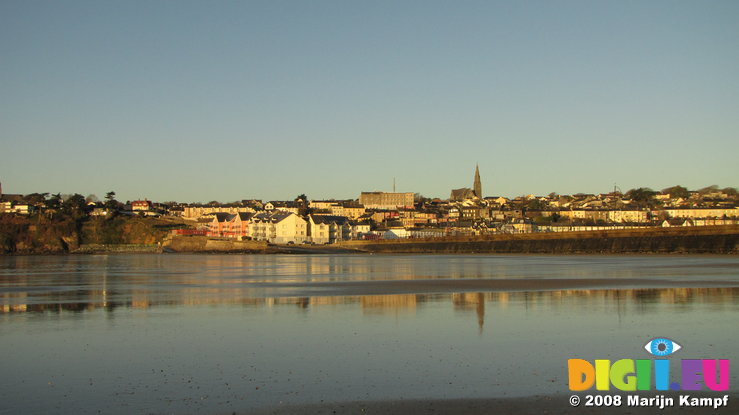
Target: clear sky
(226, 100)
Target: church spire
(478, 185)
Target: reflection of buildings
(219, 291)
(216, 291)
(13, 303)
(382, 304)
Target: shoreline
(709, 240)
(343, 251)
(529, 405)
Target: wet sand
(295, 334)
(533, 405)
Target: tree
(420, 200)
(302, 201)
(643, 196)
(54, 202)
(677, 191)
(92, 198)
(111, 204)
(536, 204)
(708, 189)
(36, 198)
(74, 204)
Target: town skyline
(455, 195)
(357, 196)
(192, 102)
(376, 215)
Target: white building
(702, 213)
(195, 212)
(396, 233)
(278, 227)
(628, 216)
(360, 229)
(19, 208)
(329, 229)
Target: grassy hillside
(40, 234)
(124, 230)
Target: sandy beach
(349, 334)
(533, 405)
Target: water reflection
(281, 268)
(476, 301)
(375, 284)
(622, 301)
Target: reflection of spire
(466, 301)
(478, 185)
(480, 310)
(105, 286)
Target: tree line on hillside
(77, 204)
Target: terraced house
(226, 225)
(219, 225)
(329, 229)
(278, 227)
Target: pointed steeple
(478, 185)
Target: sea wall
(117, 248)
(203, 244)
(698, 241)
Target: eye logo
(662, 347)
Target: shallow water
(221, 333)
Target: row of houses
(643, 216)
(20, 208)
(280, 227)
(284, 227)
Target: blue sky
(226, 100)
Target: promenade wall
(687, 240)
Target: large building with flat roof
(387, 201)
